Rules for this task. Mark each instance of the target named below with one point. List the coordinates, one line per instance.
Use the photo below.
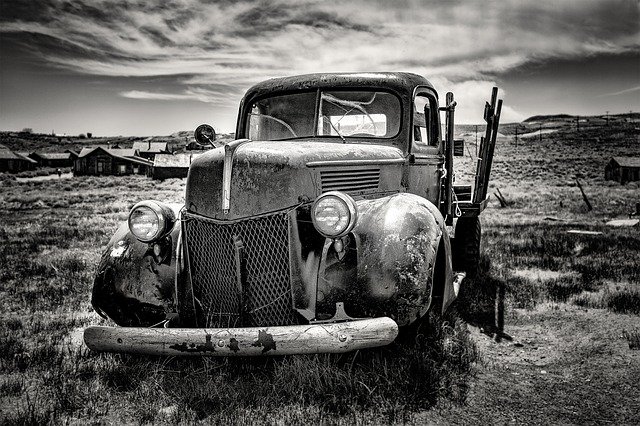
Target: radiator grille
(351, 180)
(265, 299)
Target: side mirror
(458, 147)
(205, 135)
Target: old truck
(330, 222)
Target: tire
(466, 246)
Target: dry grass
(49, 249)
(52, 234)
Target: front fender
(135, 286)
(397, 239)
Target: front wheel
(466, 246)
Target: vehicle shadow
(481, 302)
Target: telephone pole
(540, 132)
(476, 140)
(578, 122)
(607, 118)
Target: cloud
(222, 98)
(621, 92)
(238, 43)
(156, 96)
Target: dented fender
(135, 286)
(397, 239)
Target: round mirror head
(205, 135)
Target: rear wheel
(466, 246)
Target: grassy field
(565, 353)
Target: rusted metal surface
(389, 269)
(270, 176)
(133, 286)
(302, 339)
(396, 239)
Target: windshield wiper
(334, 128)
(277, 120)
(350, 104)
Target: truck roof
(401, 82)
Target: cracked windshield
(340, 114)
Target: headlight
(334, 214)
(150, 220)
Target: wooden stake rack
(485, 158)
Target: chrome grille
(350, 180)
(263, 295)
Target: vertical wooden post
(584, 196)
(492, 145)
(540, 132)
(451, 107)
(477, 140)
(487, 146)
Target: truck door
(426, 156)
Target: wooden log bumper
(251, 341)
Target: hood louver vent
(350, 180)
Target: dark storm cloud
(268, 16)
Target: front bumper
(250, 341)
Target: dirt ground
(557, 364)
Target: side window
(421, 122)
(420, 133)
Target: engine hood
(268, 176)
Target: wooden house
(104, 161)
(14, 162)
(169, 166)
(149, 150)
(53, 159)
(623, 169)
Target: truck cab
(327, 223)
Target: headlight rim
(351, 207)
(165, 217)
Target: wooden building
(623, 169)
(149, 150)
(14, 162)
(53, 159)
(169, 166)
(98, 161)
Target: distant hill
(556, 117)
(568, 117)
(30, 142)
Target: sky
(143, 67)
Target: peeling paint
(233, 345)
(265, 340)
(120, 248)
(192, 347)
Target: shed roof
(177, 160)
(6, 154)
(26, 157)
(53, 155)
(627, 161)
(88, 149)
(125, 154)
(148, 146)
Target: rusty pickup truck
(331, 221)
